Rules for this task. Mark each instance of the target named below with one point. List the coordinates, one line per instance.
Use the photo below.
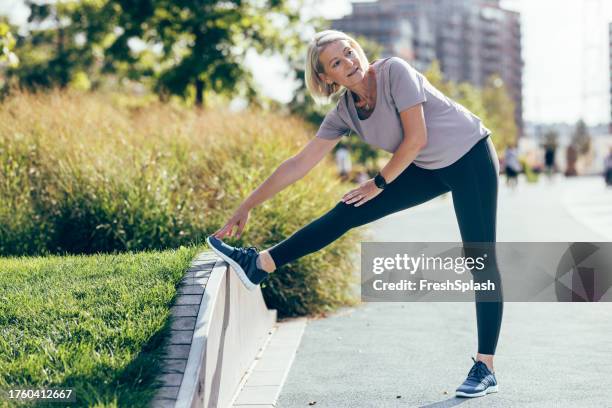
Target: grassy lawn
(89, 323)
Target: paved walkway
(415, 354)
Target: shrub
(83, 173)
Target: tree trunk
(199, 93)
(61, 57)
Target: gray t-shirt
(452, 130)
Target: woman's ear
(325, 79)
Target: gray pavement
(416, 354)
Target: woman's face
(341, 64)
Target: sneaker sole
(239, 271)
(490, 390)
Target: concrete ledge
(218, 327)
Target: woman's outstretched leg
(413, 187)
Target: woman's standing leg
(413, 187)
(474, 182)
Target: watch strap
(380, 181)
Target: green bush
(83, 173)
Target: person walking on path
(608, 168)
(437, 145)
(549, 159)
(512, 166)
(343, 161)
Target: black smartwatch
(380, 181)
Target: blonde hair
(321, 91)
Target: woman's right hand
(238, 221)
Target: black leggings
(473, 181)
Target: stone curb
(185, 312)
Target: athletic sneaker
(243, 260)
(480, 381)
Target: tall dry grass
(86, 173)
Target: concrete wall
(232, 326)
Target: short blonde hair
(321, 91)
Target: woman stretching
(438, 146)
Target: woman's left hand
(361, 195)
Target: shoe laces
(478, 371)
(248, 250)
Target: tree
(203, 43)
(499, 108)
(435, 76)
(8, 59)
(57, 46)
(7, 43)
(463, 93)
(184, 48)
(492, 104)
(581, 139)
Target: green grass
(90, 323)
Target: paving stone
(194, 281)
(206, 257)
(183, 323)
(201, 268)
(173, 366)
(266, 377)
(205, 262)
(185, 310)
(162, 403)
(188, 300)
(276, 363)
(171, 380)
(264, 394)
(197, 273)
(254, 406)
(167, 393)
(191, 290)
(181, 337)
(177, 351)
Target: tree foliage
(581, 139)
(7, 44)
(492, 104)
(8, 59)
(499, 108)
(185, 48)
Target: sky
(565, 49)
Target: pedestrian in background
(608, 168)
(512, 165)
(549, 160)
(343, 161)
(571, 156)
